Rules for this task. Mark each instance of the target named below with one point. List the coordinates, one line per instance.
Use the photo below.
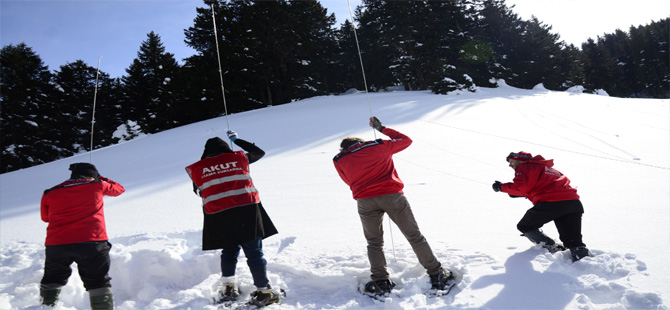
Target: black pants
(92, 260)
(567, 216)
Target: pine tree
(27, 113)
(74, 95)
(271, 52)
(149, 89)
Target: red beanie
(522, 156)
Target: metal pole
(365, 82)
(95, 96)
(218, 58)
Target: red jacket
(74, 210)
(539, 182)
(224, 181)
(368, 168)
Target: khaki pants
(371, 211)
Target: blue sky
(62, 31)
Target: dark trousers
(567, 216)
(92, 260)
(253, 250)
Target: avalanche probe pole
(218, 58)
(365, 82)
(95, 96)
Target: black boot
(102, 302)
(580, 252)
(443, 280)
(538, 237)
(380, 287)
(49, 297)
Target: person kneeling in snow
(234, 215)
(77, 233)
(553, 200)
(367, 167)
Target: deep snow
(615, 151)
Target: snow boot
(580, 252)
(101, 302)
(229, 293)
(49, 297)
(538, 237)
(380, 287)
(264, 296)
(443, 280)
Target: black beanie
(83, 171)
(215, 146)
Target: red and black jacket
(368, 168)
(539, 182)
(74, 210)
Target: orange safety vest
(224, 181)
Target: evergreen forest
(275, 52)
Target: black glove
(514, 196)
(496, 186)
(376, 124)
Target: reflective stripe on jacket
(224, 181)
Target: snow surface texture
(615, 151)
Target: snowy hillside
(615, 151)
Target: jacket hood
(538, 159)
(215, 146)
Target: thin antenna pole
(95, 96)
(218, 58)
(365, 82)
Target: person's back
(74, 210)
(77, 233)
(368, 168)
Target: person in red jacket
(234, 217)
(76, 233)
(367, 167)
(553, 200)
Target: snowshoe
(442, 283)
(266, 296)
(228, 293)
(378, 290)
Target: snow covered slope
(615, 151)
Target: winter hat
(215, 146)
(522, 156)
(83, 171)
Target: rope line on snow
(547, 146)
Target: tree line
(275, 52)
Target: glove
(514, 196)
(496, 186)
(376, 124)
(232, 135)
